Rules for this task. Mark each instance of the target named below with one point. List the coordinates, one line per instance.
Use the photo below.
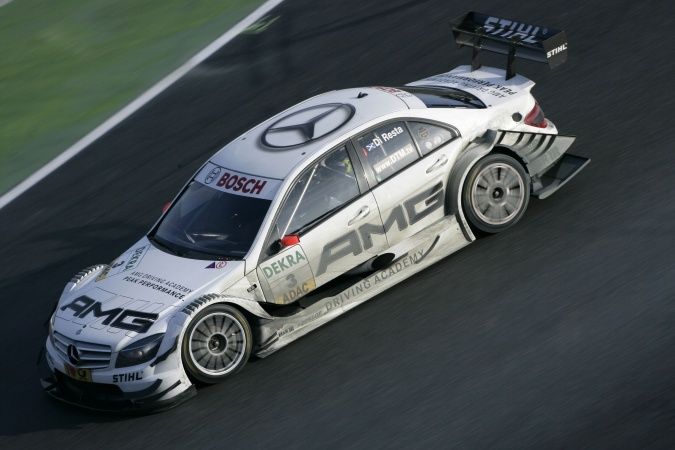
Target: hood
(137, 293)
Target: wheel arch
(250, 310)
(193, 312)
(492, 142)
(536, 152)
(502, 150)
(453, 199)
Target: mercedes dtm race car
(307, 215)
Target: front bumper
(158, 396)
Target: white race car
(307, 215)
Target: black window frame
(365, 164)
(446, 127)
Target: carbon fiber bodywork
(109, 397)
(544, 157)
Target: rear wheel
(216, 344)
(495, 194)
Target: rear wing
(508, 37)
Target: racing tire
(495, 194)
(216, 344)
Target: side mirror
(289, 239)
(274, 242)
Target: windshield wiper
(217, 255)
(165, 246)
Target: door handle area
(440, 162)
(363, 212)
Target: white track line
(135, 105)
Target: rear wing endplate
(509, 37)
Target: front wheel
(495, 193)
(216, 344)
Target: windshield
(207, 223)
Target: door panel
(325, 252)
(338, 227)
(409, 191)
(345, 240)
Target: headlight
(140, 351)
(51, 328)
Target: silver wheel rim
(217, 344)
(497, 194)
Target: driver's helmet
(340, 162)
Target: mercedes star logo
(73, 355)
(212, 175)
(307, 125)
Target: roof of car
(273, 148)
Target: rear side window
(388, 149)
(429, 137)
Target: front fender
(249, 306)
(178, 323)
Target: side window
(429, 137)
(388, 149)
(324, 188)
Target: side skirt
(440, 240)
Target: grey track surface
(559, 333)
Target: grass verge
(68, 65)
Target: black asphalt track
(559, 333)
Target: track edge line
(136, 104)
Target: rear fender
(453, 201)
(539, 151)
